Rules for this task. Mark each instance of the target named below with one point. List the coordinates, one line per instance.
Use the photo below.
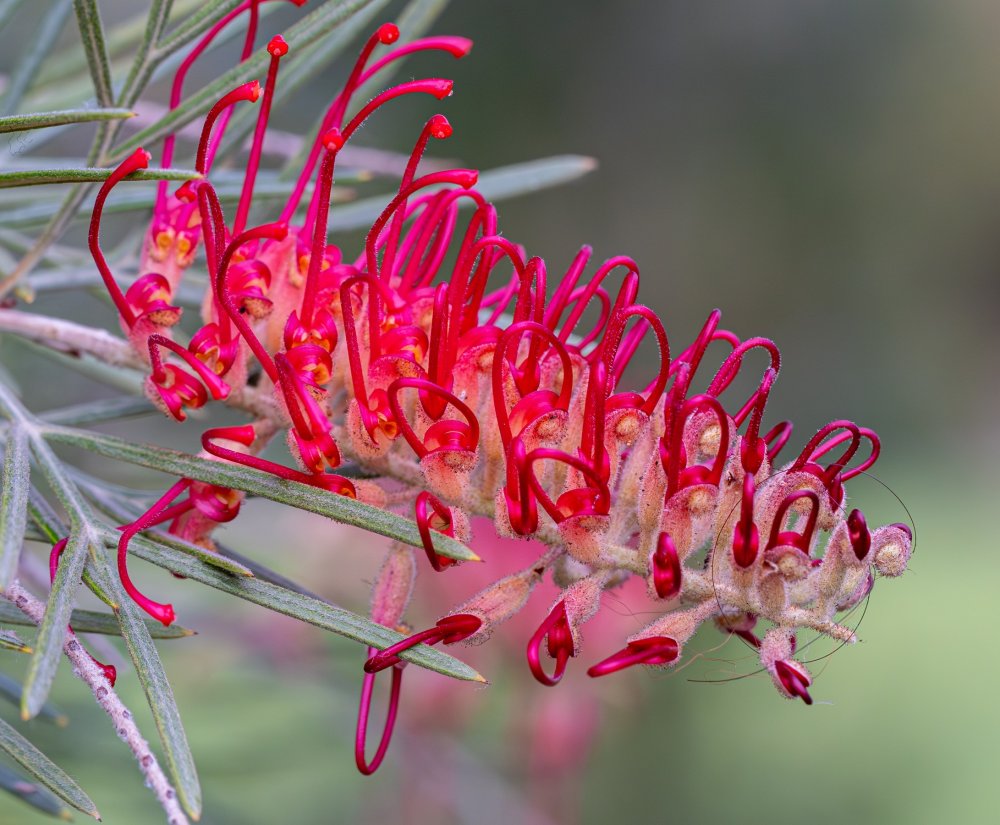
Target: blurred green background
(827, 173)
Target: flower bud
(393, 586)
(500, 601)
(892, 546)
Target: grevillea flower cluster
(465, 381)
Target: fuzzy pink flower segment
(463, 379)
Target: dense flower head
(444, 360)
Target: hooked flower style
(437, 357)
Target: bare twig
(125, 726)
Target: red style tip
(333, 141)
(857, 530)
(109, 671)
(185, 192)
(654, 650)
(253, 93)
(793, 679)
(139, 159)
(466, 178)
(388, 33)
(439, 127)
(278, 47)
(163, 613)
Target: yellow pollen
(710, 439)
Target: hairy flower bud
(393, 586)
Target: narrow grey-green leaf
(92, 621)
(105, 409)
(117, 376)
(156, 686)
(7, 8)
(33, 794)
(39, 177)
(200, 21)
(495, 185)
(11, 690)
(143, 61)
(10, 641)
(216, 560)
(88, 20)
(304, 608)
(13, 501)
(45, 770)
(307, 31)
(52, 631)
(302, 496)
(63, 117)
(122, 39)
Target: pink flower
(437, 359)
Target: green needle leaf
(63, 117)
(92, 621)
(45, 770)
(13, 501)
(302, 496)
(32, 794)
(10, 689)
(9, 640)
(38, 177)
(88, 19)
